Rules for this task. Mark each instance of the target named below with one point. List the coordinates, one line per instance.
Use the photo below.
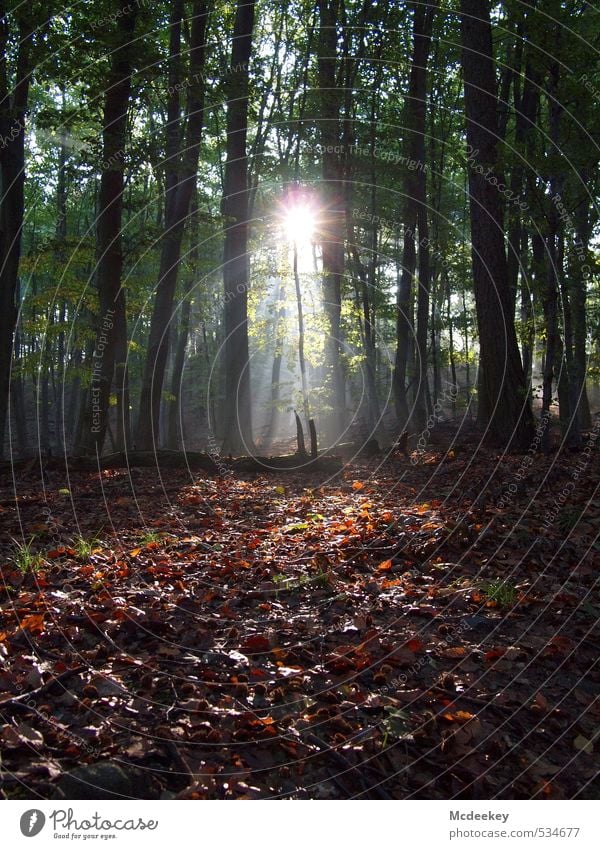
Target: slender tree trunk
(423, 26)
(279, 334)
(175, 419)
(415, 214)
(13, 109)
(301, 340)
(578, 307)
(451, 354)
(528, 331)
(238, 437)
(504, 396)
(112, 322)
(17, 394)
(404, 318)
(178, 199)
(332, 228)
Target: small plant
(501, 592)
(149, 537)
(322, 580)
(25, 559)
(84, 547)
(395, 726)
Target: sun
(299, 223)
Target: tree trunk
(179, 194)
(415, 214)
(578, 307)
(13, 108)
(112, 324)
(422, 29)
(175, 433)
(504, 396)
(238, 437)
(279, 335)
(332, 225)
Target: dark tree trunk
(333, 224)
(238, 437)
(415, 214)
(179, 192)
(175, 433)
(527, 331)
(423, 25)
(13, 108)
(578, 309)
(503, 392)
(112, 324)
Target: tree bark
(505, 400)
(112, 322)
(415, 216)
(179, 192)
(13, 108)
(238, 437)
(333, 223)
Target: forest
(299, 399)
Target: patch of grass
(25, 558)
(150, 536)
(84, 547)
(502, 592)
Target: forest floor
(393, 631)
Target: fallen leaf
(582, 744)
(33, 623)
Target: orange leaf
(257, 643)
(33, 623)
(135, 552)
(455, 651)
(280, 654)
(494, 654)
(385, 566)
(358, 485)
(459, 716)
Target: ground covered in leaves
(392, 631)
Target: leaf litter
(388, 633)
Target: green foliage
(84, 547)
(25, 558)
(502, 592)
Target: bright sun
(299, 222)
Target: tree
(179, 189)
(111, 336)
(333, 219)
(22, 36)
(238, 437)
(414, 216)
(504, 402)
